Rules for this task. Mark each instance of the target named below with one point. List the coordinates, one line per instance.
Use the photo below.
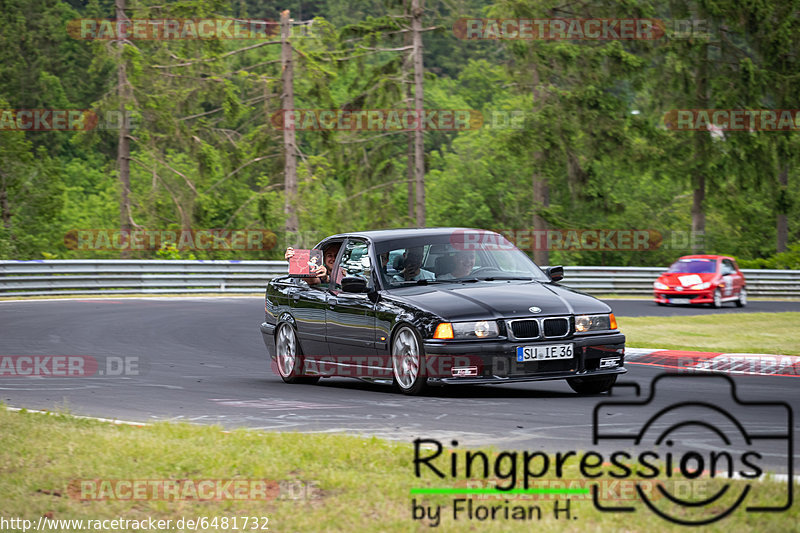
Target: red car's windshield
(694, 266)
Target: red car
(701, 279)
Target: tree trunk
(782, 222)
(5, 210)
(410, 175)
(407, 41)
(289, 142)
(123, 145)
(698, 209)
(541, 200)
(419, 148)
(541, 188)
(699, 172)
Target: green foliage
(789, 259)
(587, 116)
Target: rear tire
(408, 362)
(594, 385)
(742, 301)
(289, 356)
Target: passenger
(413, 271)
(384, 259)
(323, 272)
(463, 262)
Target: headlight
(700, 286)
(584, 323)
(467, 330)
(660, 286)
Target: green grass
(363, 484)
(770, 333)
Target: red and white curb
(751, 364)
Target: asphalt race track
(649, 308)
(202, 360)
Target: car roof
(384, 235)
(705, 257)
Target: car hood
(682, 279)
(499, 300)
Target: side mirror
(555, 273)
(354, 284)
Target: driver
(412, 269)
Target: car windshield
(451, 258)
(694, 266)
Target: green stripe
(497, 491)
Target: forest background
(573, 133)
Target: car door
(736, 280)
(308, 307)
(350, 317)
(729, 278)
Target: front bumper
(695, 297)
(496, 362)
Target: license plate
(544, 352)
(679, 300)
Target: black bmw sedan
(438, 306)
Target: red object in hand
(304, 263)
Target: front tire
(717, 299)
(593, 385)
(289, 356)
(742, 301)
(408, 362)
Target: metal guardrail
(110, 276)
(53, 277)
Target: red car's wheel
(717, 299)
(742, 301)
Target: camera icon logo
(707, 460)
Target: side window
(355, 261)
(330, 251)
(727, 267)
(406, 265)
